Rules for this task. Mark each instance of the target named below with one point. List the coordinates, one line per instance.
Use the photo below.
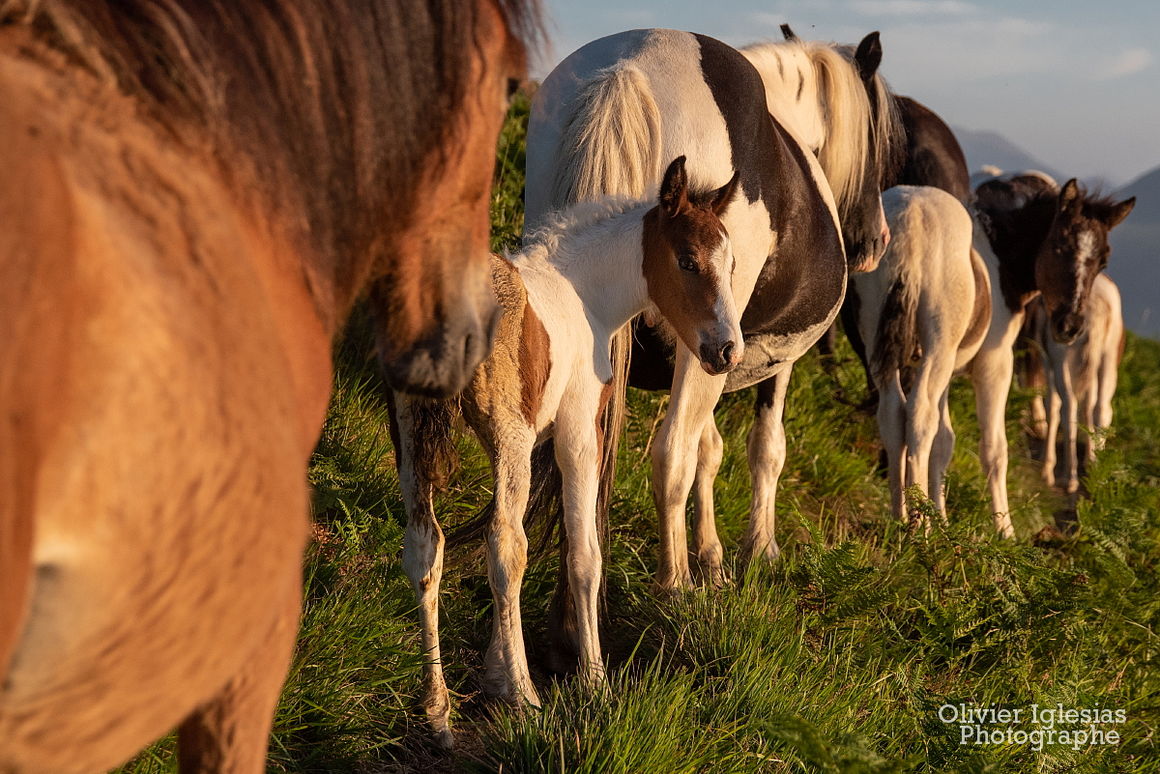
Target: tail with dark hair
(896, 342)
(430, 447)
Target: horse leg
(694, 396)
(1088, 415)
(230, 734)
(940, 454)
(1105, 388)
(766, 447)
(1052, 434)
(706, 543)
(923, 413)
(578, 455)
(422, 562)
(991, 375)
(892, 412)
(1069, 414)
(508, 676)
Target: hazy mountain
(986, 147)
(1135, 262)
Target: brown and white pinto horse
(600, 124)
(1035, 241)
(579, 280)
(193, 195)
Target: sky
(1075, 84)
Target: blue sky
(1077, 84)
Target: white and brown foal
(591, 269)
(923, 314)
(1035, 241)
(1081, 379)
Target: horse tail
(896, 340)
(610, 423)
(611, 145)
(431, 452)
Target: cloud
(912, 7)
(1125, 63)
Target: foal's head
(1074, 252)
(688, 265)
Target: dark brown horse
(193, 195)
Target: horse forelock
(330, 113)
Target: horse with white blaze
(602, 122)
(579, 279)
(1036, 241)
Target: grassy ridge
(835, 660)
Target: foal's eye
(687, 264)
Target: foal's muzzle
(719, 358)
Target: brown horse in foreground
(193, 195)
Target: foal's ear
(675, 188)
(1069, 195)
(788, 33)
(868, 56)
(723, 196)
(1119, 211)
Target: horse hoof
(444, 739)
(711, 574)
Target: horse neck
(1015, 238)
(601, 257)
(791, 90)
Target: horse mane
(329, 110)
(858, 127)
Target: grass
(835, 660)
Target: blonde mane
(856, 132)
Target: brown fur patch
(685, 299)
(522, 352)
(981, 312)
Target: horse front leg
(766, 447)
(991, 376)
(706, 543)
(230, 733)
(674, 459)
(508, 676)
(578, 455)
(1069, 412)
(422, 558)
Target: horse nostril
(727, 353)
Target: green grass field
(837, 659)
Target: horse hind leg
(940, 454)
(230, 733)
(892, 429)
(923, 414)
(423, 545)
(706, 542)
(507, 673)
(766, 447)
